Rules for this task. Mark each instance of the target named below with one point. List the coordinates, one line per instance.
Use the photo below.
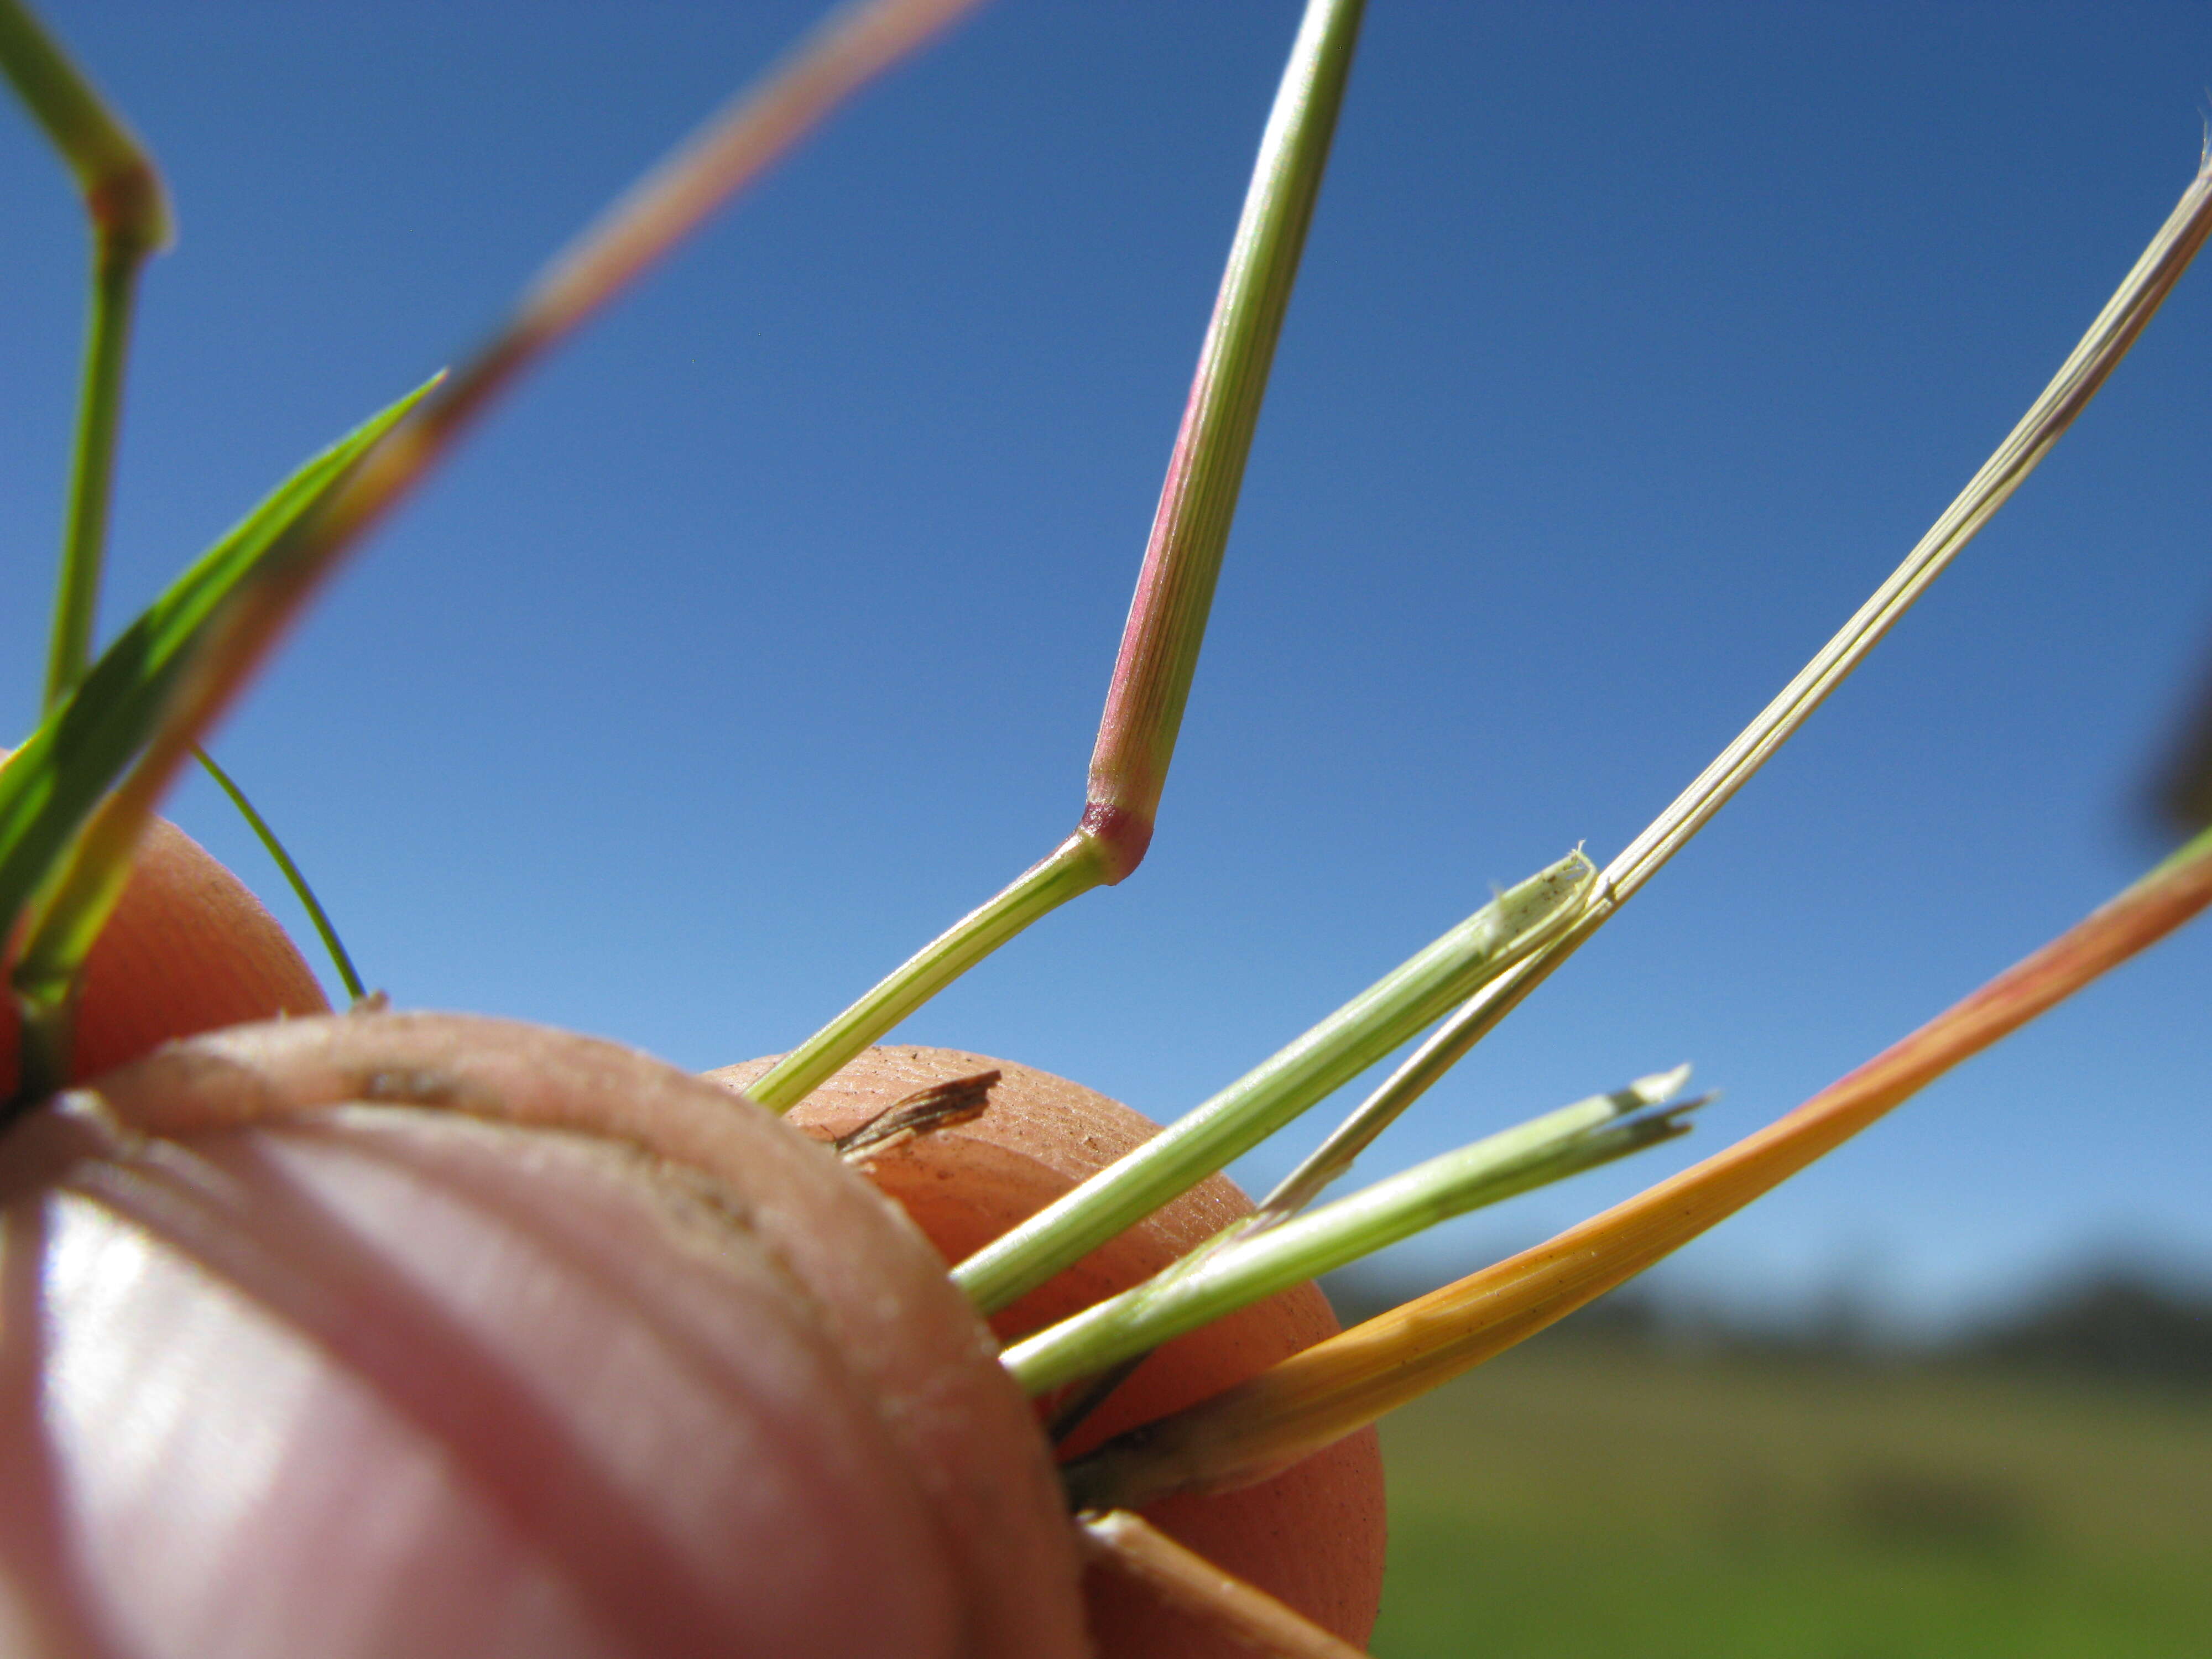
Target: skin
(1313, 1537)
(188, 950)
(420, 1335)
(385, 1333)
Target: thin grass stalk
(1074, 867)
(753, 130)
(1248, 1111)
(1253, 1621)
(294, 877)
(1316, 1397)
(74, 903)
(1166, 624)
(117, 261)
(2078, 380)
(50, 785)
(1151, 687)
(129, 212)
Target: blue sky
(764, 632)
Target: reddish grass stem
(1167, 619)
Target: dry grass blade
(756, 128)
(937, 1107)
(1316, 1397)
(2124, 316)
(1123, 1543)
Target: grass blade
(49, 786)
(294, 877)
(48, 791)
(65, 842)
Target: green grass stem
(69, 829)
(53, 781)
(1166, 625)
(122, 190)
(131, 220)
(1248, 1111)
(50, 785)
(1248, 1264)
(294, 877)
(116, 264)
(1076, 866)
(1151, 686)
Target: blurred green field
(1586, 1496)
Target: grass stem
(42, 799)
(1245, 1264)
(1253, 1621)
(294, 877)
(1075, 866)
(1505, 931)
(1145, 698)
(1166, 624)
(131, 220)
(117, 261)
(1316, 1397)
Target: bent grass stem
(1076, 866)
(294, 877)
(1167, 619)
(753, 131)
(129, 212)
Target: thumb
(370, 1378)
